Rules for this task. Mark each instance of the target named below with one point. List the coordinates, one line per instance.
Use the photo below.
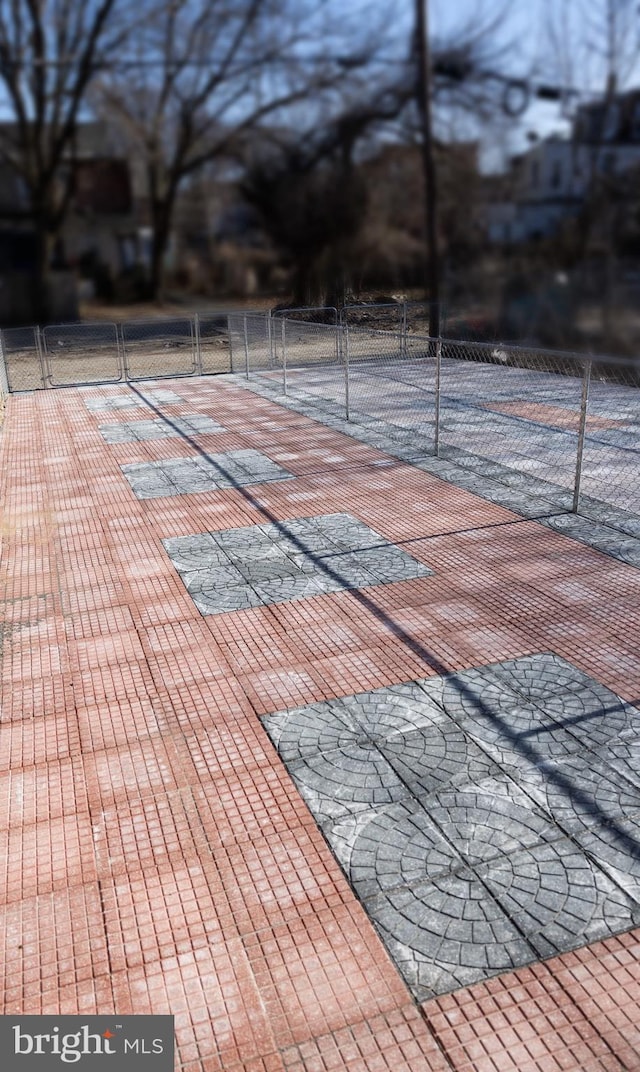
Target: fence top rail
(519, 348)
(159, 320)
(74, 324)
(304, 309)
(363, 306)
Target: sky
(518, 46)
(519, 38)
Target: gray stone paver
(188, 476)
(159, 428)
(604, 794)
(240, 568)
(485, 818)
(391, 846)
(131, 400)
(430, 758)
(447, 933)
(616, 849)
(558, 897)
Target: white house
(549, 182)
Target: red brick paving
(157, 857)
(554, 416)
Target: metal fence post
(436, 417)
(196, 332)
(246, 347)
(284, 355)
(345, 349)
(270, 339)
(122, 349)
(4, 375)
(45, 369)
(584, 405)
(403, 337)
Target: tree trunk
(305, 288)
(44, 240)
(159, 245)
(161, 216)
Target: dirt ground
(184, 305)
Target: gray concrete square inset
(485, 818)
(132, 399)
(159, 428)
(276, 563)
(186, 476)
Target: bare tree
(49, 53)
(204, 74)
(310, 193)
(306, 183)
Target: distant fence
(66, 355)
(564, 424)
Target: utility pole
(423, 100)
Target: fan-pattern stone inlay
(131, 400)
(485, 818)
(249, 567)
(160, 428)
(206, 472)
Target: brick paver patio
(169, 618)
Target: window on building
(555, 179)
(635, 122)
(611, 122)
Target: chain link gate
(81, 354)
(212, 342)
(24, 365)
(158, 349)
(560, 426)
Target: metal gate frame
(46, 354)
(193, 371)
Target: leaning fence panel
(81, 354)
(610, 475)
(513, 414)
(159, 348)
(421, 319)
(23, 359)
(250, 343)
(4, 379)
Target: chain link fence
(387, 386)
(513, 415)
(251, 343)
(610, 463)
(4, 379)
(22, 353)
(81, 354)
(555, 426)
(155, 349)
(304, 339)
(213, 347)
(562, 426)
